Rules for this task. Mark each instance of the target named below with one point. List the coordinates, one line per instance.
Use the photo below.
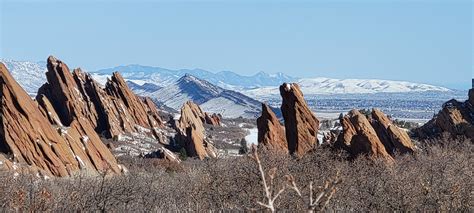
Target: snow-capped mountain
(30, 75)
(225, 79)
(317, 86)
(210, 97)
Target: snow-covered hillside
(30, 75)
(315, 86)
(211, 98)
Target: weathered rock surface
(456, 118)
(213, 119)
(393, 138)
(29, 142)
(191, 132)
(301, 126)
(111, 111)
(271, 134)
(359, 137)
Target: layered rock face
(376, 137)
(393, 138)
(191, 132)
(359, 137)
(301, 126)
(110, 111)
(30, 143)
(271, 134)
(456, 118)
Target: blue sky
(426, 41)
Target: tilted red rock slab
(359, 137)
(301, 126)
(271, 134)
(191, 131)
(32, 142)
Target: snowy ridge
(210, 97)
(30, 75)
(317, 86)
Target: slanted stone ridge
(214, 119)
(359, 137)
(191, 132)
(31, 144)
(271, 134)
(301, 125)
(393, 138)
(456, 118)
(111, 111)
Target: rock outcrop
(359, 137)
(214, 119)
(30, 143)
(301, 126)
(111, 111)
(191, 132)
(376, 136)
(456, 118)
(393, 138)
(271, 134)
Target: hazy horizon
(418, 41)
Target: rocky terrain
(456, 118)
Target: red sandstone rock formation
(213, 119)
(192, 133)
(393, 138)
(30, 143)
(111, 111)
(456, 118)
(301, 126)
(271, 134)
(359, 137)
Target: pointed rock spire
(271, 134)
(301, 125)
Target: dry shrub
(437, 178)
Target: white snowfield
(30, 75)
(317, 86)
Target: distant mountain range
(225, 79)
(261, 86)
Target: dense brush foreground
(438, 178)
